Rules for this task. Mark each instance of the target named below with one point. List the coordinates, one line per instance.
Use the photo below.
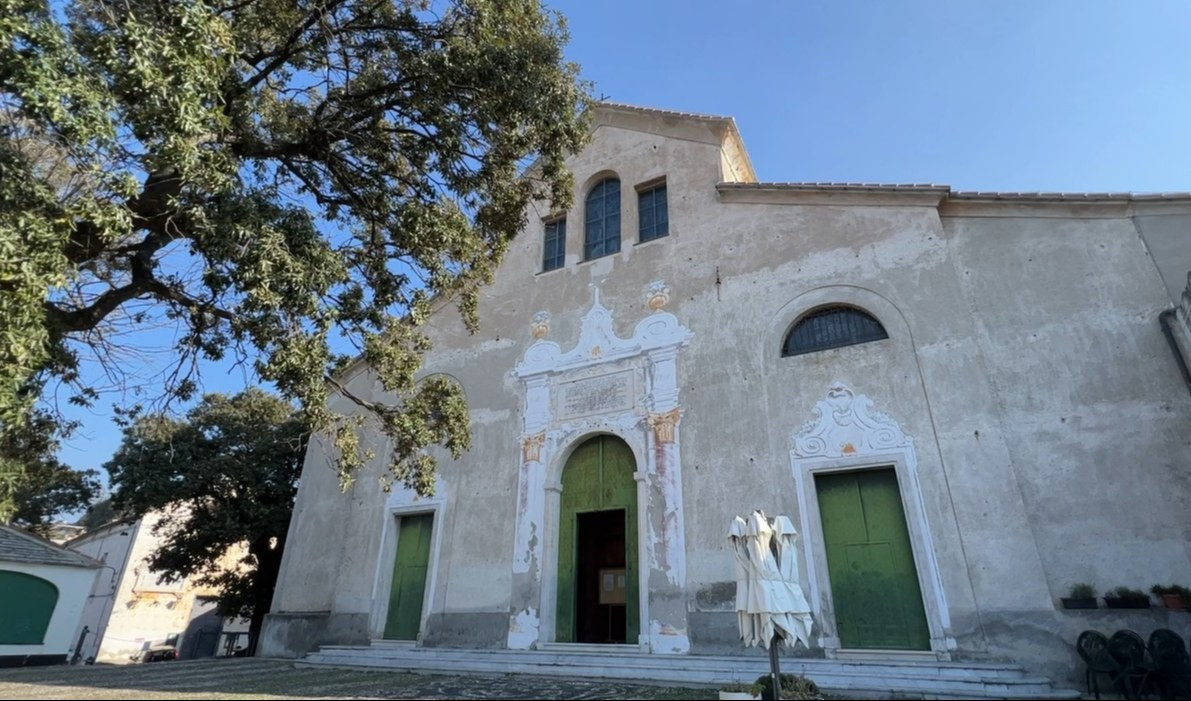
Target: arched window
(832, 327)
(26, 607)
(601, 230)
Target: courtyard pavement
(276, 679)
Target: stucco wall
(132, 608)
(110, 545)
(1024, 359)
(74, 584)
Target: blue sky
(1013, 95)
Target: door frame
(558, 553)
(548, 602)
(383, 584)
(904, 464)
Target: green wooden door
(874, 585)
(409, 577)
(597, 477)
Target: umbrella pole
(774, 671)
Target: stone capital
(531, 447)
(663, 424)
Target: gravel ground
(275, 679)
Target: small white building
(43, 589)
(131, 608)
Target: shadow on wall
(201, 637)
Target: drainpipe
(1165, 319)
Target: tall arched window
(832, 327)
(601, 222)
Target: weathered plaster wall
(1024, 359)
(109, 545)
(132, 608)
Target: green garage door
(26, 607)
(874, 584)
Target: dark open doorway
(600, 613)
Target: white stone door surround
(626, 387)
(848, 434)
(402, 502)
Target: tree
(46, 487)
(49, 490)
(272, 177)
(98, 514)
(225, 477)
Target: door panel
(409, 577)
(874, 584)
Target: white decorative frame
(650, 428)
(405, 502)
(849, 435)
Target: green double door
(409, 577)
(597, 534)
(874, 584)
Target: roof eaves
(1072, 196)
(656, 112)
(63, 557)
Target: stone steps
(919, 679)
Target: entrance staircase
(852, 678)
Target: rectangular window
(554, 247)
(654, 220)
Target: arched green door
(597, 535)
(26, 607)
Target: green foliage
(1082, 590)
(225, 476)
(794, 686)
(1126, 593)
(46, 488)
(269, 175)
(98, 514)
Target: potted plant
(1081, 596)
(740, 692)
(794, 686)
(1126, 598)
(1174, 597)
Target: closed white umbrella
(738, 536)
(796, 618)
(770, 605)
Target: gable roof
(17, 545)
(723, 127)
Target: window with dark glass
(554, 246)
(832, 327)
(653, 221)
(601, 222)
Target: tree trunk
(254, 629)
(268, 566)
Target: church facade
(965, 402)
